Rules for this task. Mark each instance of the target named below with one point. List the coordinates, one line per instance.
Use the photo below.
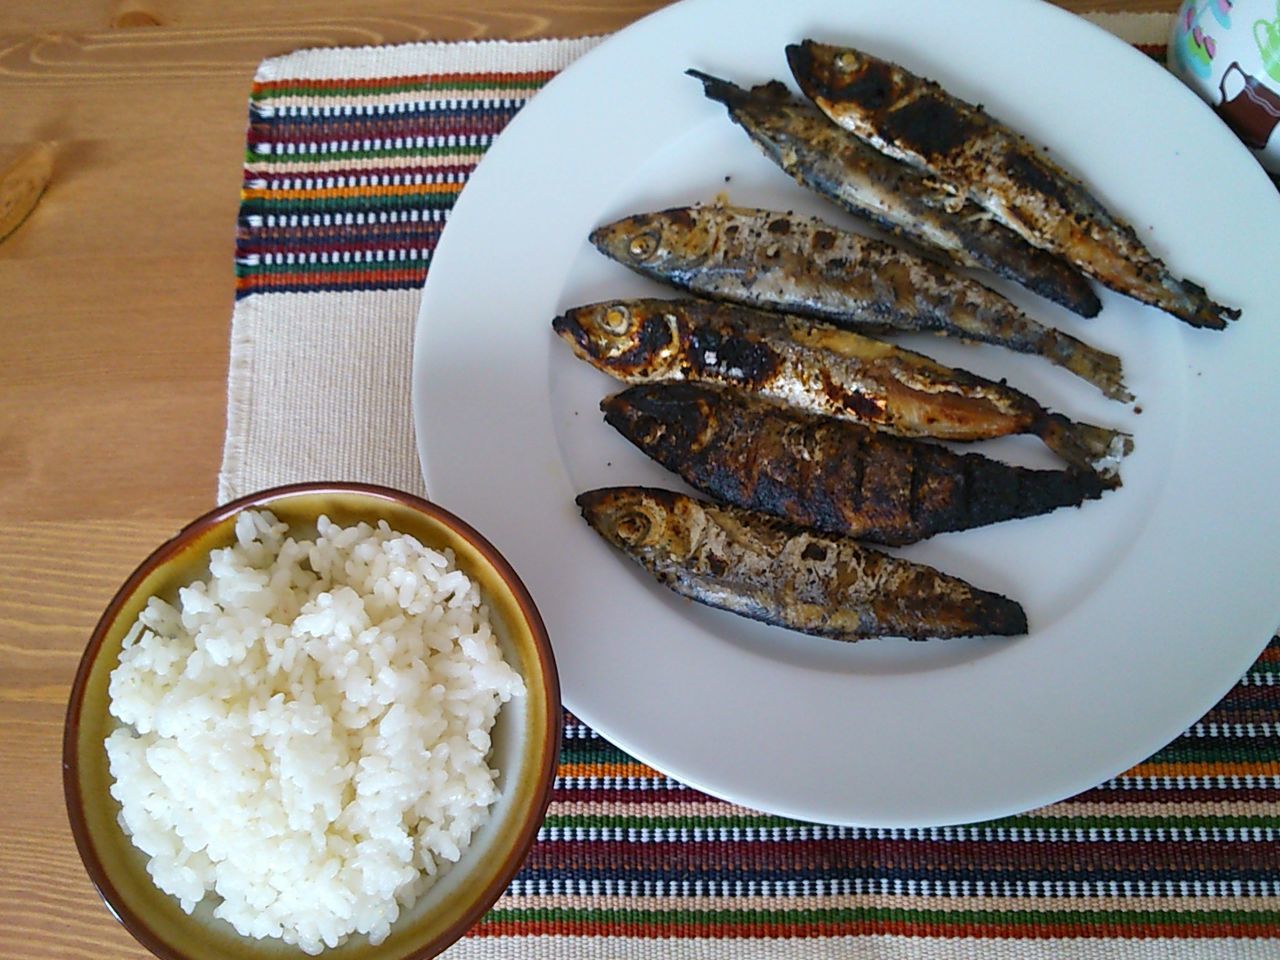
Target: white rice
(307, 734)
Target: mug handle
(1222, 80)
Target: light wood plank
(385, 21)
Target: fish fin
(1104, 370)
(1085, 446)
(716, 88)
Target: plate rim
(1140, 750)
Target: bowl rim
(549, 749)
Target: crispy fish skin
(821, 370)
(768, 570)
(894, 196)
(805, 266)
(914, 120)
(831, 475)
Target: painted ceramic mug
(1228, 51)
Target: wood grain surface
(115, 297)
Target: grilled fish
(828, 474)
(803, 265)
(892, 195)
(821, 370)
(916, 121)
(768, 570)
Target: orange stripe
(1226, 768)
(638, 770)
(374, 190)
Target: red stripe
(684, 929)
(370, 277)
(373, 127)
(674, 796)
(1098, 858)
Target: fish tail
(1085, 446)
(1104, 370)
(1195, 307)
(994, 491)
(997, 616)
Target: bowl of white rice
(321, 720)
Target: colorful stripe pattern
(347, 187)
(347, 184)
(1184, 845)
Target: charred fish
(819, 369)
(827, 474)
(768, 570)
(983, 161)
(805, 266)
(892, 195)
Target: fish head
(627, 517)
(676, 416)
(633, 340)
(677, 239)
(763, 111)
(639, 520)
(833, 74)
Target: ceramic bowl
(526, 736)
(1228, 51)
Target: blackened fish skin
(827, 474)
(803, 265)
(982, 160)
(822, 370)
(763, 568)
(893, 196)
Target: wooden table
(115, 297)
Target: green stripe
(356, 89)
(778, 915)
(252, 158)
(762, 821)
(409, 201)
(1198, 749)
(273, 268)
(592, 751)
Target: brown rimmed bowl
(526, 736)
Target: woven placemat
(354, 158)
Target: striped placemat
(354, 158)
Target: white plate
(1145, 607)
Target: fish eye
(633, 527)
(643, 246)
(616, 319)
(846, 61)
